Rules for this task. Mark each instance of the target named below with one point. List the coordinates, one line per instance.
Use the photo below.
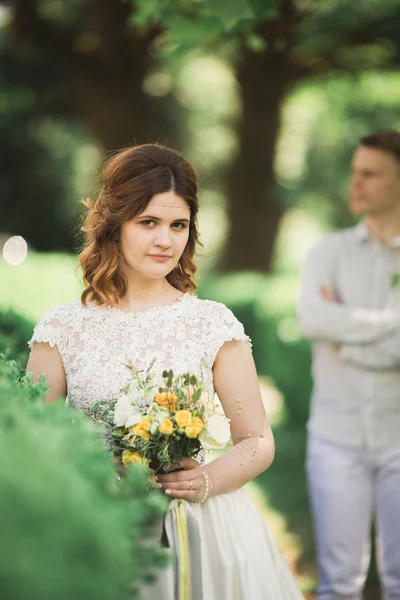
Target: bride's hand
(185, 463)
(187, 483)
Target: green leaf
(147, 12)
(230, 12)
(197, 394)
(265, 9)
(255, 42)
(395, 281)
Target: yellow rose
(167, 400)
(194, 428)
(166, 427)
(133, 458)
(138, 429)
(183, 418)
(145, 423)
(197, 423)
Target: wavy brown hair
(129, 180)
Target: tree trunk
(254, 209)
(106, 60)
(115, 109)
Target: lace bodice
(96, 343)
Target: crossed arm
(368, 338)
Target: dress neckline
(152, 309)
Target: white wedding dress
(236, 557)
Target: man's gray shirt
(356, 343)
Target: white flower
(122, 411)
(217, 433)
(160, 415)
(134, 419)
(154, 427)
(125, 413)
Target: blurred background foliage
(241, 86)
(268, 98)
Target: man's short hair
(387, 140)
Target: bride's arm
(235, 378)
(46, 360)
(236, 383)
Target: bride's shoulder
(207, 304)
(64, 312)
(56, 324)
(219, 323)
(213, 309)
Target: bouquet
(159, 423)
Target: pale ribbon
(183, 536)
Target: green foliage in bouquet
(69, 527)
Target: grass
(42, 281)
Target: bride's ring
(190, 484)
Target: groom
(350, 308)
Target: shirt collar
(364, 235)
(362, 232)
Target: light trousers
(348, 488)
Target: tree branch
(327, 60)
(281, 30)
(297, 56)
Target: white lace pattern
(96, 343)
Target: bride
(138, 305)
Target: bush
(68, 528)
(15, 331)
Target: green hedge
(15, 331)
(68, 528)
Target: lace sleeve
(49, 329)
(226, 327)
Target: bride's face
(153, 242)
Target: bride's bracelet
(207, 490)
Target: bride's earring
(177, 266)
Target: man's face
(374, 183)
